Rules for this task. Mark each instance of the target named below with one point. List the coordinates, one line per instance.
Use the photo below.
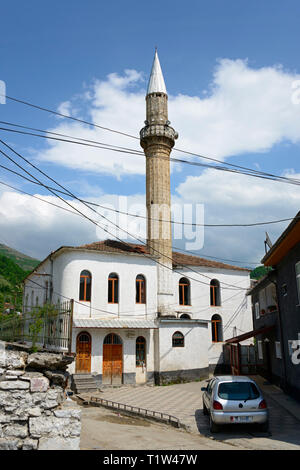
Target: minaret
(157, 140)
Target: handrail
(148, 413)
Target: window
(260, 350)
(112, 339)
(184, 292)
(185, 316)
(140, 349)
(140, 287)
(238, 391)
(215, 294)
(177, 340)
(216, 329)
(113, 288)
(298, 280)
(85, 286)
(278, 350)
(257, 315)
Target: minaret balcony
(158, 130)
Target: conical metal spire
(156, 81)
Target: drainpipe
(51, 280)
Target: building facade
(143, 313)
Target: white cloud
(246, 110)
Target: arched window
(185, 316)
(216, 329)
(178, 340)
(184, 292)
(112, 339)
(85, 286)
(140, 349)
(215, 293)
(140, 289)
(113, 288)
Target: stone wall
(35, 413)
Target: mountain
(11, 277)
(26, 263)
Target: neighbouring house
(144, 313)
(284, 258)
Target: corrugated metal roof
(109, 323)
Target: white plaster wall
(235, 309)
(194, 354)
(129, 345)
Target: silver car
(234, 399)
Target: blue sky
(65, 51)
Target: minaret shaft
(157, 140)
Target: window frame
(184, 292)
(140, 289)
(180, 338)
(114, 291)
(218, 330)
(215, 293)
(86, 286)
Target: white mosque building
(144, 313)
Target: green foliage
(11, 277)
(259, 272)
(23, 261)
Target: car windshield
(238, 391)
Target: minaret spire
(156, 82)
(157, 140)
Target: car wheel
(205, 412)
(213, 427)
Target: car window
(238, 391)
(210, 386)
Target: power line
(253, 224)
(252, 171)
(76, 213)
(93, 221)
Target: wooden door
(83, 353)
(112, 360)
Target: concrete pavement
(185, 402)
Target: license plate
(241, 419)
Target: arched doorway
(112, 360)
(83, 353)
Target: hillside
(11, 277)
(26, 263)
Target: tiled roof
(179, 259)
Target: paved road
(185, 402)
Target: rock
(10, 444)
(13, 359)
(69, 413)
(14, 373)
(30, 444)
(49, 361)
(4, 418)
(57, 377)
(13, 385)
(16, 430)
(34, 412)
(39, 384)
(58, 443)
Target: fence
(49, 327)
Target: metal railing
(158, 415)
(49, 327)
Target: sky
(233, 78)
